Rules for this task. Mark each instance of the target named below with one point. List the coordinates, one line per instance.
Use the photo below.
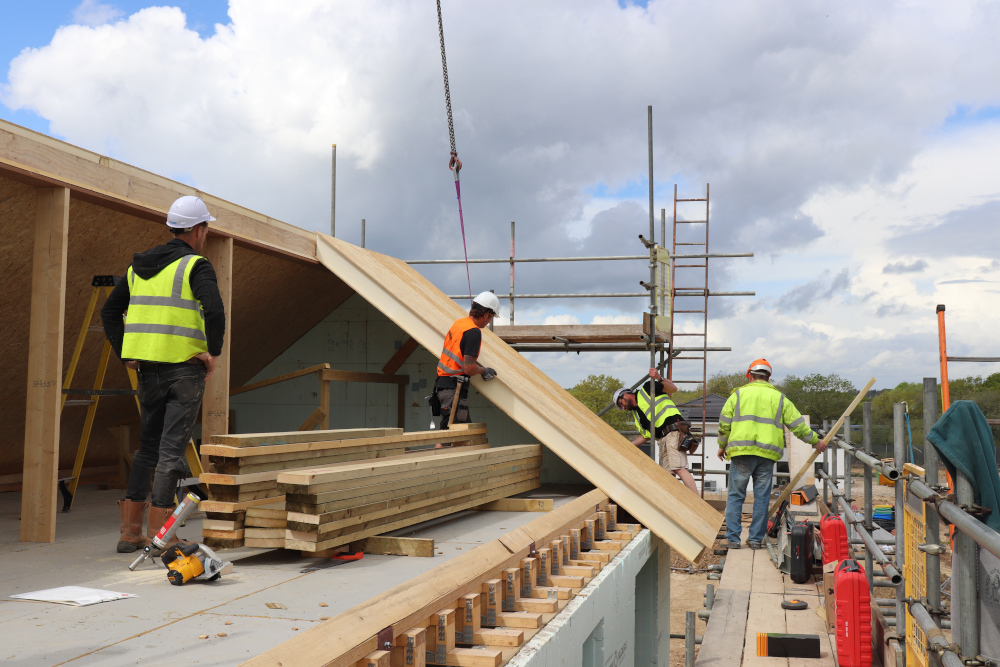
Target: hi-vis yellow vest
(753, 422)
(165, 322)
(664, 408)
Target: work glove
(488, 374)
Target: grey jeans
(170, 397)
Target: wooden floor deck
(748, 601)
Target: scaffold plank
(722, 644)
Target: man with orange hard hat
(752, 437)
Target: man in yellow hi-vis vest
(752, 437)
(666, 420)
(171, 335)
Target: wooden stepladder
(68, 485)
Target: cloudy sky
(854, 147)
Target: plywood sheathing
(535, 401)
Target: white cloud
(616, 319)
(561, 319)
(817, 129)
(92, 12)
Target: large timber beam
(45, 366)
(532, 399)
(215, 406)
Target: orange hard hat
(759, 365)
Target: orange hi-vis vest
(450, 364)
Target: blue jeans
(170, 398)
(741, 469)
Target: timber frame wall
(69, 214)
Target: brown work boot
(132, 514)
(157, 517)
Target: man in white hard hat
(663, 417)
(459, 357)
(173, 333)
(752, 436)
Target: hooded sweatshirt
(147, 265)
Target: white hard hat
(617, 395)
(188, 211)
(488, 300)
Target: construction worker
(671, 429)
(172, 334)
(752, 437)
(459, 359)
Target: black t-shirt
(662, 429)
(472, 342)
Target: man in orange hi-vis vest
(459, 359)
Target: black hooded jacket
(147, 265)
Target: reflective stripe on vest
(450, 364)
(665, 409)
(757, 428)
(165, 322)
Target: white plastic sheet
(77, 596)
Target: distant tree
(910, 393)
(595, 392)
(819, 396)
(723, 383)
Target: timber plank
(398, 546)
(395, 521)
(413, 437)
(324, 494)
(539, 404)
(722, 645)
(308, 508)
(415, 461)
(394, 506)
(518, 505)
(766, 577)
(293, 437)
(738, 573)
(222, 506)
(45, 365)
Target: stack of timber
(265, 526)
(338, 504)
(477, 609)
(243, 469)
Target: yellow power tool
(187, 560)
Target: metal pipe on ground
(697, 638)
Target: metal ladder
(695, 292)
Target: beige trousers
(672, 458)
